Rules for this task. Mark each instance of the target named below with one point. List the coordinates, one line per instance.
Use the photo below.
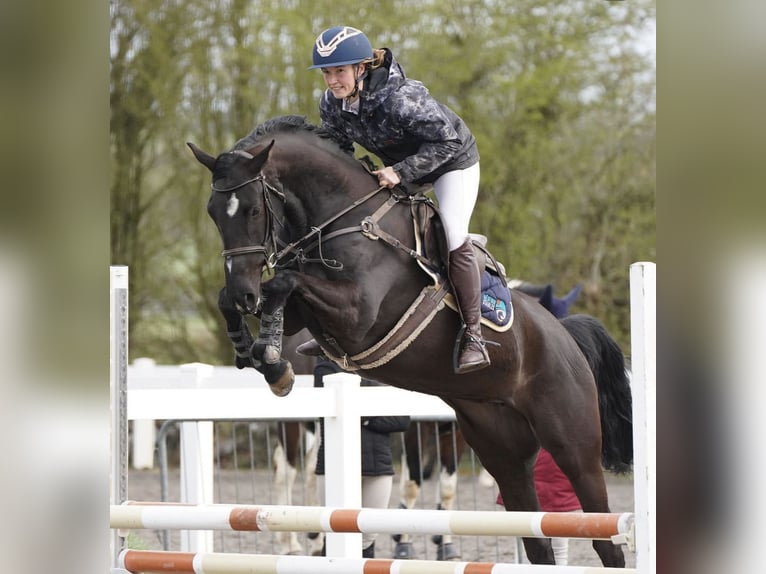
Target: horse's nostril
(250, 301)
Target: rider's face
(340, 79)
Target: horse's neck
(316, 194)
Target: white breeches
(456, 192)
(376, 493)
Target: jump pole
(220, 563)
(252, 518)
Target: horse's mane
(293, 124)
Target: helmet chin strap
(357, 79)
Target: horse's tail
(614, 398)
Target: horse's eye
(254, 212)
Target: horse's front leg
(267, 352)
(268, 343)
(267, 347)
(337, 305)
(279, 373)
(237, 331)
(331, 302)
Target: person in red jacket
(555, 493)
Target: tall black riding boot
(466, 283)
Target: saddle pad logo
(493, 308)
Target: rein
(317, 230)
(269, 246)
(368, 227)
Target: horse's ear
(570, 297)
(204, 158)
(546, 298)
(260, 158)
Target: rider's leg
(456, 192)
(466, 282)
(376, 493)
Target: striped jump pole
(601, 526)
(156, 562)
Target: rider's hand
(387, 177)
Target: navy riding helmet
(339, 46)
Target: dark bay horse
(289, 200)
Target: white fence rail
(199, 394)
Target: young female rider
(369, 101)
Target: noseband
(269, 246)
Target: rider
(369, 101)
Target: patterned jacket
(403, 125)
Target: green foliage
(558, 96)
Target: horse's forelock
(226, 161)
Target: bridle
(269, 247)
(269, 237)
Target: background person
(377, 459)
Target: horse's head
(240, 204)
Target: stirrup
(458, 351)
(310, 349)
(461, 369)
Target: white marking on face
(232, 205)
(228, 264)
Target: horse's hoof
(404, 551)
(447, 552)
(284, 384)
